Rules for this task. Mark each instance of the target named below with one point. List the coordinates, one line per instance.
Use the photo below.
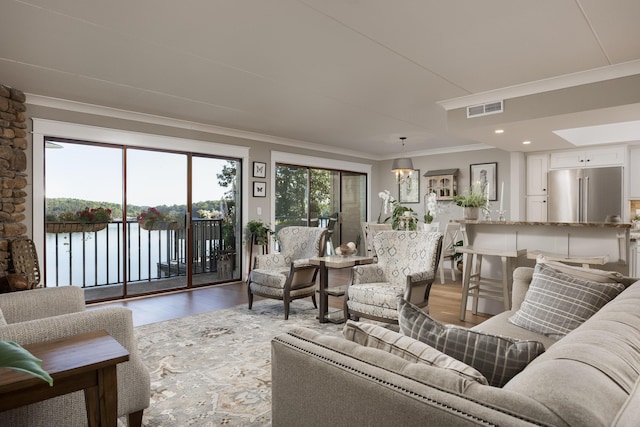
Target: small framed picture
(259, 170)
(409, 192)
(485, 174)
(259, 189)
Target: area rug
(215, 368)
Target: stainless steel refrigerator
(584, 195)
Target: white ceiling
(351, 75)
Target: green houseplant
(259, 232)
(473, 200)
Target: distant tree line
(56, 206)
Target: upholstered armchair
(45, 314)
(407, 265)
(287, 275)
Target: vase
(471, 212)
(160, 225)
(434, 226)
(75, 227)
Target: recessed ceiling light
(498, 131)
(526, 142)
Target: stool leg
(466, 275)
(505, 282)
(478, 278)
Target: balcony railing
(96, 258)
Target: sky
(154, 178)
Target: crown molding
(99, 110)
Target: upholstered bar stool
(476, 286)
(585, 261)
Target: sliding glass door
(180, 227)
(321, 197)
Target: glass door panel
(156, 221)
(215, 221)
(83, 186)
(292, 196)
(354, 208)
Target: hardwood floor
(444, 302)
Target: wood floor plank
(444, 302)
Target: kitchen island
(568, 239)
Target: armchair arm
(418, 287)
(271, 261)
(41, 303)
(368, 273)
(133, 377)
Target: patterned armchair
(407, 265)
(288, 275)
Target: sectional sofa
(589, 377)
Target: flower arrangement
(86, 216)
(402, 217)
(153, 219)
(431, 210)
(214, 214)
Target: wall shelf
(443, 182)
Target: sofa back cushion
(589, 375)
(556, 302)
(498, 358)
(370, 335)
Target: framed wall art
(410, 193)
(259, 189)
(485, 174)
(259, 170)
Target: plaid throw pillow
(497, 358)
(411, 350)
(557, 303)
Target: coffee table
(325, 263)
(79, 362)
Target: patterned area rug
(215, 368)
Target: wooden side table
(325, 263)
(79, 362)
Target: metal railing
(96, 258)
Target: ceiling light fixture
(526, 142)
(498, 131)
(402, 167)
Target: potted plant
(88, 219)
(402, 217)
(259, 232)
(153, 219)
(431, 210)
(473, 200)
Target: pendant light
(402, 167)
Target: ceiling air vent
(484, 109)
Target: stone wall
(13, 166)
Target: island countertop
(551, 224)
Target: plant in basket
(153, 219)
(94, 215)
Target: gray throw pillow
(556, 303)
(497, 358)
(409, 349)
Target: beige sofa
(49, 313)
(588, 378)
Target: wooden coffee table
(79, 362)
(325, 263)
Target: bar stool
(476, 286)
(586, 261)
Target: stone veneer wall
(13, 166)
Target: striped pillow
(557, 303)
(411, 350)
(497, 358)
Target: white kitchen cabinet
(593, 157)
(537, 208)
(537, 168)
(634, 173)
